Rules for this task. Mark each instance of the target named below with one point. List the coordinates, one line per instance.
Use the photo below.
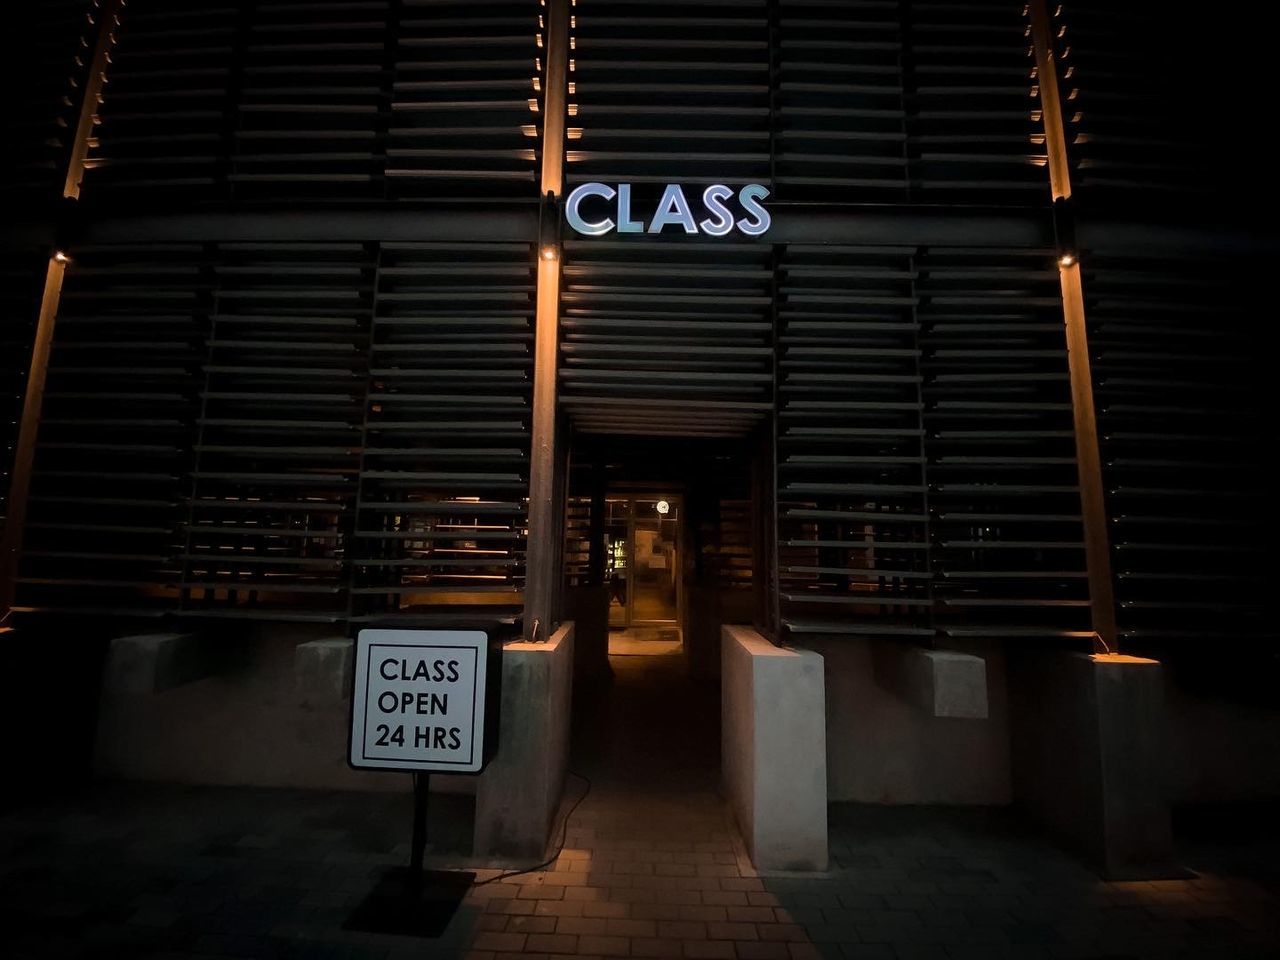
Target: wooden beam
(1055, 137)
(555, 95)
(542, 574)
(92, 99)
(540, 577)
(1093, 510)
(50, 300)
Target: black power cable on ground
(564, 833)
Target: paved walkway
(644, 642)
(652, 867)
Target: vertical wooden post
(1088, 458)
(1093, 510)
(555, 96)
(1055, 137)
(541, 574)
(94, 81)
(50, 300)
(595, 556)
(540, 553)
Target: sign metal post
(420, 703)
(418, 845)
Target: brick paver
(905, 883)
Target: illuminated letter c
(600, 227)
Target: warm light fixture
(1064, 232)
(549, 229)
(663, 507)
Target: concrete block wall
(773, 750)
(942, 683)
(518, 794)
(251, 719)
(154, 662)
(882, 748)
(322, 671)
(1219, 745)
(273, 710)
(1090, 758)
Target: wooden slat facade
(249, 415)
(340, 101)
(1186, 420)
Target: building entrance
(643, 572)
(659, 547)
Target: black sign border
(364, 720)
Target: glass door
(655, 571)
(617, 559)
(642, 560)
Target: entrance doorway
(643, 573)
(659, 550)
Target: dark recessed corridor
(652, 728)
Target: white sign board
(418, 702)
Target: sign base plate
(411, 904)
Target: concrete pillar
(322, 671)
(518, 794)
(774, 749)
(155, 662)
(942, 683)
(588, 608)
(1090, 759)
(702, 623)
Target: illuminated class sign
(595, 209)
